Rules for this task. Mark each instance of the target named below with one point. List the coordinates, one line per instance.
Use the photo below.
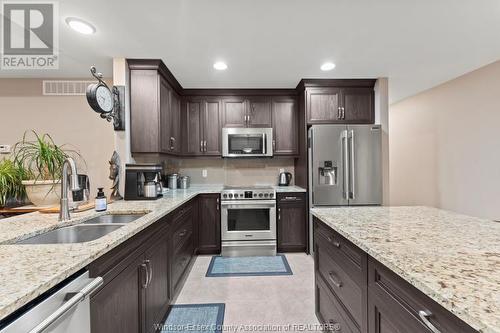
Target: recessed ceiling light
(80, 26)
(327, 66)
(220, 66)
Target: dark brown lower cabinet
(143, 275)
(355, 293)
(209, 232)
(292, 222)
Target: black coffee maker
(143, 182)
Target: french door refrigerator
(345, 166)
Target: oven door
(247, 142)
(248, 220)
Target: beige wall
(68, 119)
(445, 146)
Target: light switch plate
(204, 173)
(5, 149)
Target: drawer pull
(424, 315)
(335, 280)
(291, 198)
(144, 268)
(334, 242)
(183, 233)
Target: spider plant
(41, 158)
(11, 188)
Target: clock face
(104, 98)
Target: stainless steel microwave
(247, 142)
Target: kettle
(285, 178)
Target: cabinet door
(285, 127)
(358, 104)
(165, 117)
(157, 291)
(209, 237)
(259, 113)
(212, 128)
(235, 112)
(323, 105)
(117, 307)
(144, 111)
(175, 110)
(194, 135)
(292, 222)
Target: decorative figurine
(114, 175)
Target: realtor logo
(29, 35)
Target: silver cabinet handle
(201, 145)
(339, 116)
(274, 145)
(205, 145)
(72, 302)
(335, 280)
(343, 113)
(150, 265)
(144, 268)
(353, 166)
(345, 165)
(218, 203)
(424, 315)
(279, 213)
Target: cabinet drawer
(182, 231)
(348, 256)
(180, 212)
(291, 197)
(181, 259)
(339, 281)
(330, 312)
(390, 292)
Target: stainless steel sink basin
(72, 234)
(114, 219)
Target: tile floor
(262, 303)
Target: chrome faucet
(64, 207)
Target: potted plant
(12, 192)
(42, 161)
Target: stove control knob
(230, 195)
(266, 195)
(260, 195)
(224, 195)
(271, 195)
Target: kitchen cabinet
(203, 132)
(209, 229)
(356, 293)
(155, 114)
(291, 222)
(285, 127)
(349, 105)
(247, 112)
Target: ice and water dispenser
(328, 173)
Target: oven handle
(249, 203)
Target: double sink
(86, 231)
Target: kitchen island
(453, 259)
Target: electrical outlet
(204, 173)
(5, 149)
(282, 170)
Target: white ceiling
(275, 43)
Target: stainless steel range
(248, 221)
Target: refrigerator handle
(353, 167)
(345, 164)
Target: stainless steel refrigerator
(345, 165)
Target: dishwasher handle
(72, 302)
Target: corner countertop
(289, 189)
(452, 258)
(27, 270)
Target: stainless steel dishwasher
(67, 309)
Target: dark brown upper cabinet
(155, 118)
(203, 132)
(247, 111)
(235, 112)
(349, 105)
(285, 126)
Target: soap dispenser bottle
(101, 203)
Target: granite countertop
(291, 188)
(452, 258)
(27, 271)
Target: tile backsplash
(225, 171)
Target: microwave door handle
(264, 143)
